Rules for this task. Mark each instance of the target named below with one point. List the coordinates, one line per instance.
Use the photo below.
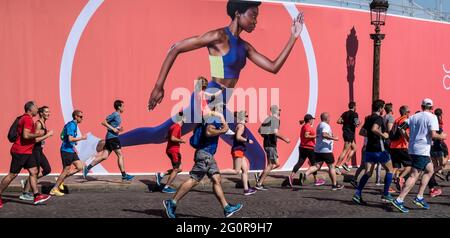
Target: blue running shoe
(387, 198)
(169, 190)
(230, 209)
(421, 203)
(85, 172)
(127, 177)
(170, 208)
(159, 177)
(400, 206)
(358, 199)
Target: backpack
(197, 136)
(12, 133)
(395, 134)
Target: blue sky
(432, 4)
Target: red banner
(85, 54)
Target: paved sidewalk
(105, 183)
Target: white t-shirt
(420, 127)
(323, 145)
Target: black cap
(308, 117)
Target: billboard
(84, 54)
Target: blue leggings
(157, 135)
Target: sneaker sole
(336, 189)
(43, 200)
(167, 212)
(25, 199)
(435, 195)
(356, 200)
(248, 194)
(420, 205)
(395, 205)
(230, 214)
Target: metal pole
(377, 37)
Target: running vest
(229, 65)
(41, 143)
(239, 145)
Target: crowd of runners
(410, 147)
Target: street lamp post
(378, 9)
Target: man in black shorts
(399, 136)
(112, 143)
(349, 121)
(21, 153)
(324, 152)
(69, 153)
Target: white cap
(427, 102)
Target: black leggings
(41, 161)
(432, 183)
(304, 154)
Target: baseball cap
(427, 102)
(308, 117)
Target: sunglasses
(80, 116)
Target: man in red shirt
(21, 152)
(173, 152)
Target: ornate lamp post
(378, 9)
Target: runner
(174, 142)
(375, 152)
(399, 148)
(113, 124)
(362, 166)
(306, 149)
(269, 130)
(38, 153)
(437, 157)
(388, 120)
(238, 152)
(323, 150)
(69, 154)
(349, 121)
(424, 127)
(205, 140)
(21, 152)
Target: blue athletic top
(229, 66)
(209, 144)
(70, 129)
(114, 120)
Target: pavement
(148, 182)
(108, 197)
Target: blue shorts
(377, 157)
(420, 162)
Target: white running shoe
(230, 133)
